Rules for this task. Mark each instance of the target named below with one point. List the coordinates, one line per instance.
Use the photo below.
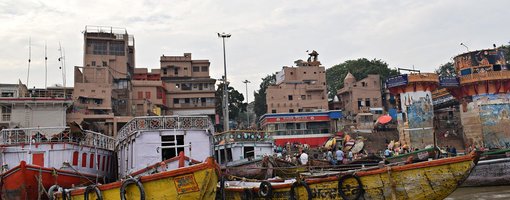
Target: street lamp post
(225, 92)
(247, 102)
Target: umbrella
(384, 119)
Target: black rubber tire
(130, 181)
(94, 188)
(247, 194)
(360, 187)
(266, 194)
(295, 185)
(51, 191)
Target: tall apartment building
(299, 89)
(102, 89)
(360, 96)
(189, 88)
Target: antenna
(29, 57)
(61, 59)
(45, 65)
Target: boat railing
(164, 122)
(54, 135)
(242, 136)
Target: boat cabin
(242, 146)
(145, 141)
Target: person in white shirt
(339, 156)
(303, 158)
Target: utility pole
(247, 102)
(225, 87)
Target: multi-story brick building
(149, 93)
(299, 89)
(102, 89)
(189, 88)
(360, 96)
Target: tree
(506, 51)
(260, 106)
(446, 69)
(235, 99)
(360, 68)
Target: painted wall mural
(418, 116)
(486, 120)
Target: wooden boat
(147, 148)
(428, 180)
(259, 169)
(492, 169)
(35, 159)
(415, 156)
(197, 181)
(244, 153)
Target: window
(105, 64)
(169, 142)
(303, 97)
(93, 91)
(249, 152)
(186, 86)
(75, 158)
(205, 68)
(186, 100)
(176, 71)
(273, 111)
(196, 69)
(291, 110)
(147, 95)
(176, 101)
(367, 102)
(6, 113)
(93, 63)
(165, 71)
(195, 85)
(290, 97)
(117, 48)
(91, 160)
(98, 47)
(300, 110)
(84, 160)
(140, 95)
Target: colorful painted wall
(416, 124)
(486, 120)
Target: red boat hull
(21, 182)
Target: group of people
(338, 157)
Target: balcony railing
(485, 76)
(55, 135)
(164, 122)
(193, 105)
(302, 131)
(423, 77)
(315, 88)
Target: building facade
(102, 88)
(360, 96)
(189, 88)
(299, 89)
(149, 93)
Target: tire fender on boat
(53, 189)
(89, 188)
(359, 187)
(266, 190)
(130, 181)
(295, 185)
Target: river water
(481, 193)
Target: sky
(266, 34)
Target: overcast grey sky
(266, 34)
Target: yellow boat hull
(426, 180)
(194, 182)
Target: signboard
(449, 81)
(299, 118)
(396, 81)
(487, 57)
(186, 183)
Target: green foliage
(506, 50)
(235, 99)
(260, 107)
(360, 68)
(446, 69)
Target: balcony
(195, 105)
(485, 76)
(315, 88)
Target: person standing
(349, 155)
(329, 157)
(339, 156)
(303, 158)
